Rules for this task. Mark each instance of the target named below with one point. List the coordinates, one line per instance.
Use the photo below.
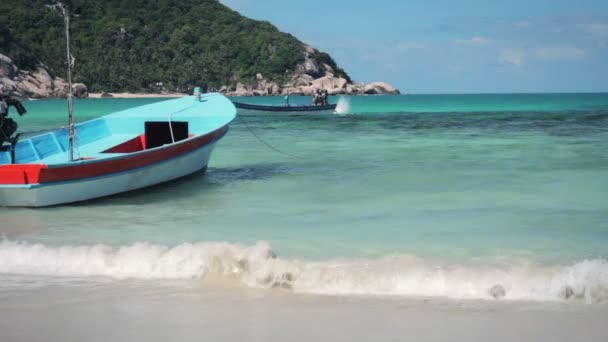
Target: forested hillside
(129, 45)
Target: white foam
(343, 106)
(257, 266)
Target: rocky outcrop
(307, 77)
(304, 84)
(34, 84)
(380, 88)
(7, 68)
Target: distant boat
(124, 151)
(285, 108)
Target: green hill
(129, 45)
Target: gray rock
(34, 84)
(60, 88)
(498, 291)
(8, 69)
(301, 80)
(309, 66)
(383, 88)
(329, 69)
(242, 90)
(80, 91)
(369, 90)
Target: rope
(262, 140)
(171, 129)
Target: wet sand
(135, 312)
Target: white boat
(120, 152)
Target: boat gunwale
(222, 132)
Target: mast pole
(66, 17)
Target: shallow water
(430, 195)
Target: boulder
(273, 89)
(8, 69)
(37, 84)
(352, 89)
(497, 291)
(309, 66)
(301, 80)
(369, 90)
(242, 90)
(340, 83)
(383, 88)
(322, 83)
(60, 87)
(329, 82)
(7, 86)
(80, 91)
(308, 50)
(328, 68)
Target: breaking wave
(258, 266)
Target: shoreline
(180, 311)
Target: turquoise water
(468, 184)
(457, 103)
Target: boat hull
(248, 106)
(118, 152)
(42, 195)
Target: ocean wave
(258, 266)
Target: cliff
(156, 46)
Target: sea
(485, 201)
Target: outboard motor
(8, 126)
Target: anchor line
(263, 141)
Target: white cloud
(522, 24)
(553, 53)
(476, 40)
(598, 28)
(512, 57)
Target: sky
(451, 46)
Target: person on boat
(8, 127)
(321, 97)
(287, 100)
(318, 97)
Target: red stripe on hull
(40, 173)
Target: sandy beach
(133, 311)
(136, 95)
